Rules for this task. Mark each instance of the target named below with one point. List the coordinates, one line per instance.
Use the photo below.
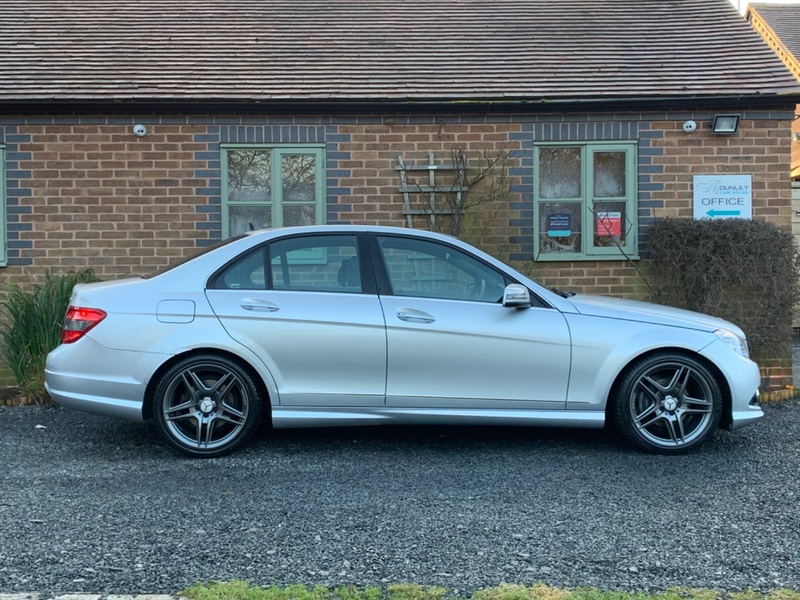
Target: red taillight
(78, 321)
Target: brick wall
(94, 195)
(762, 147)
(85, 192)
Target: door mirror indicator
(516, 296)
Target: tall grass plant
(31, 327)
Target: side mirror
(516, 296)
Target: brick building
(779, 26)
(267, 113)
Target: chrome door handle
(414, 316)
(259, 305)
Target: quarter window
(585, 200)
(271, 186)
(247, 273)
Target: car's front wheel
(207, 406)
(668, 403)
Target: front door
(451, 343)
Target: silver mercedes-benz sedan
(361, 325)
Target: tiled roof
(779, 25)
(784, 20)
(381, 50)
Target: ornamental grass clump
(31, 327)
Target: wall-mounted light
(725, 124)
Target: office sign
(723, 197)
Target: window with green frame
(271, 185)
(585, 200)
(3, 240)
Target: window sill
(584, 257)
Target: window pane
(299, 215)
(316, 264)
(559, 172)
(243, 218)
(299, 181)
(431, 270)
(609, 224)
(609, 174)
(249, 176)
(559, 227)
(245, 274)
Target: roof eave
(372, 105)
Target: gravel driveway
(88, 504)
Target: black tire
(667, 403)
(207, 406)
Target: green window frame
(271, 185)
(585, 200)
(3, 233)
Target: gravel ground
(89, 504)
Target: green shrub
(747, 272)
(31, 327)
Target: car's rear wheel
(668, 403)
(207, 406)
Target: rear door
(308, 308)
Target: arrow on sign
(723, 213)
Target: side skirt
(295, 417)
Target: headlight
(734, 341)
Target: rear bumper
(62, 392)
(86, 376)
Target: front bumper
(743, 379)
(753, 412)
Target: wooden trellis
(454, 188)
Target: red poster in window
(609, 224)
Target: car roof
(351, 228)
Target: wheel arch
(724, 388)
(147, 408)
